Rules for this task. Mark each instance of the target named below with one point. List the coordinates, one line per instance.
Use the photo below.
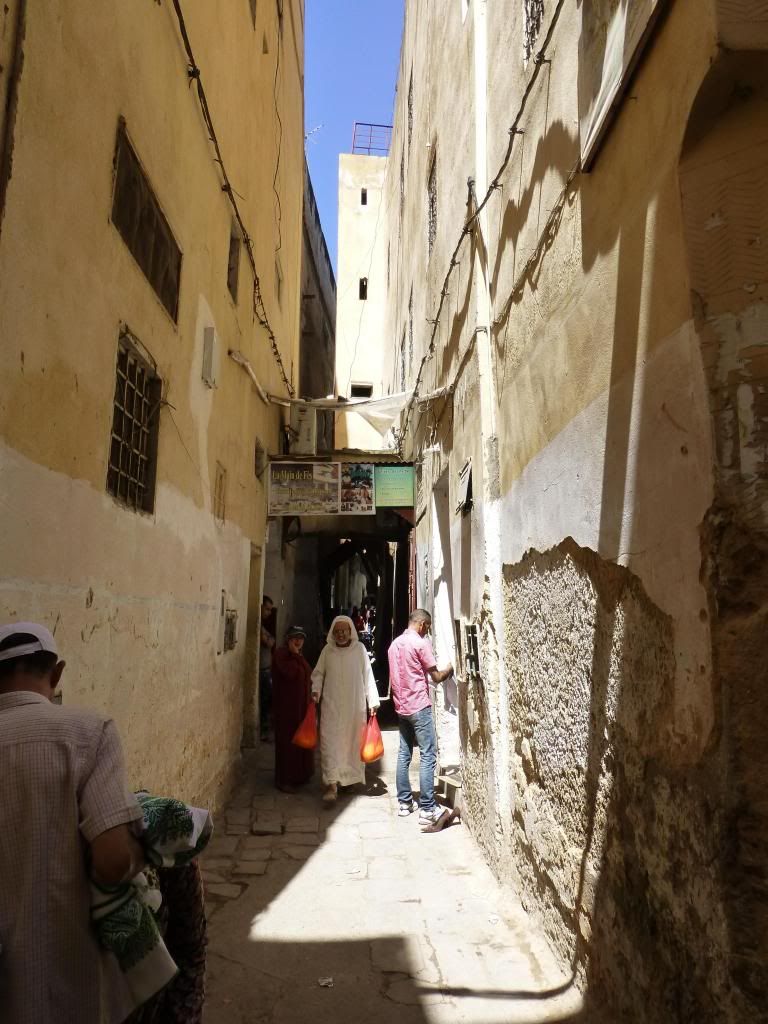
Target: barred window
(233, 261)
(135, 426)
(432, 205)
(533, 17)
(137, 216)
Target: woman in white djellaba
(343, 681)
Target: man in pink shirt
(411, 665)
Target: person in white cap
(66, 816)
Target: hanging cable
(539, 61)
(259, 308)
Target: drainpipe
(491, 503)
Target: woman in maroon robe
(290, 698)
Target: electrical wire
(259, 308)
(539, 61)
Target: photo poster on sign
(304, 489)
(358, 493)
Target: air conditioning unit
(210, 356)
(303, 430)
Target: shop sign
(304, 488)
(394, 486)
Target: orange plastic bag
(306, 735)
(372, 745)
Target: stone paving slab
(412, 928)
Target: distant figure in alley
(65, 812)
(411, 666)
(343, 681)
(291, 680)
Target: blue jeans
(417, 730)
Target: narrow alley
(353, 914)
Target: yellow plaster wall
(135, 597)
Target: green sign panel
(394, 486)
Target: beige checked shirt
(62, 782)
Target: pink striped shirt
(410, 659)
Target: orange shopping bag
(372, 745)
(306, 735)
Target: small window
(142, 225)
(230, 629)
(471, 653)
(278, 282)
(259, 459)
(220, 493)
(363, 290)
(464, 501)
(253, 11)
(264, 44)
(135, 426)
(233, 263)
(361, 391)
(363, 196)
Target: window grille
(137, 216)
(533, 18)
(363, 288)
(432, 205)
(135, 425)
(471, 653)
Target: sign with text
(304, 489)
(394, 486)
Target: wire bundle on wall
(539, 62)
(259, 307)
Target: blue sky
(352, 55)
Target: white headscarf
(331, 639)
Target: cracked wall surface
(606, 827)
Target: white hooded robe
(343, 678)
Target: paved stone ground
(352, 914)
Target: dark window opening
(132, 463)
(471, 652)
(361, 391)
(233, 263)
(363, 196)
(363, 291)
(137, 216)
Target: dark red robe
(290, 698)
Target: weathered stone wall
(616, 845)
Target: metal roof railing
(371, 139)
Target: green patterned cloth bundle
(124, 916)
